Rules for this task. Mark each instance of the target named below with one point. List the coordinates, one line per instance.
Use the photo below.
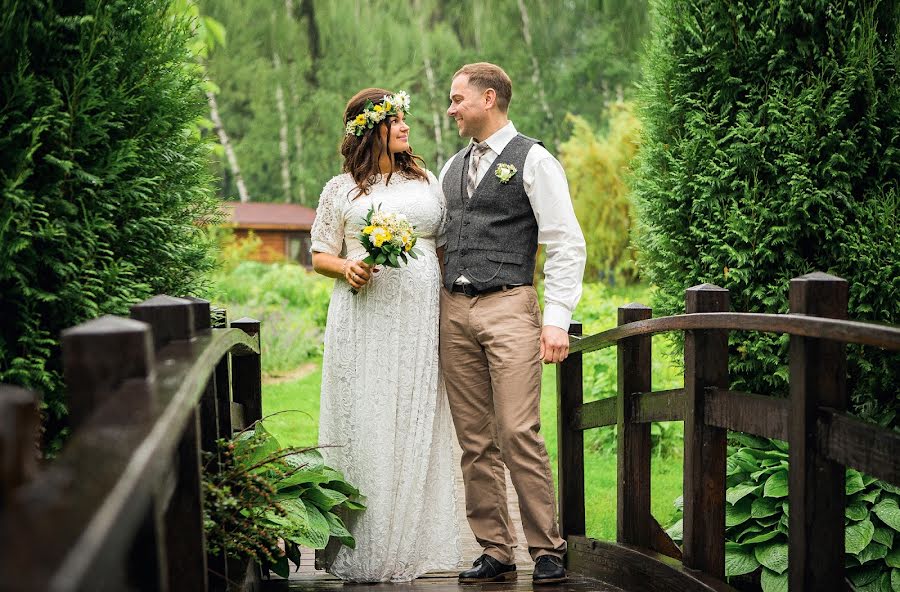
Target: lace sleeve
(438, 191)
(327, 232)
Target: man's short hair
(485, 75)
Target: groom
(505, 194)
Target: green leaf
(676, 531)
(748, 440)
(772, 581)
(872, 552)
(776, 485)
(867, 496)
(885, 536)
(773, 555)
(863, 576)
(739, 560)
(323, 498)
(856, 511)
(292, 552)
(351, 505)
(888, 511)
(738, 492)
(854, 482)
(893, 558)
(895, 580)
(337, 529)
(761, 538)
(281, 567)
(737, 513)
(858, 535)
(763, 507)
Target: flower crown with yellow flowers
(373, 114)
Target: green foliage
(770, 151)
(289, 300)
(586, 57)
(261, 494)
(596, 166)
(102, 176)
(756, 518)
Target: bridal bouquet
(388, 238)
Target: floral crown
(373, 114)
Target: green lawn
(297, 425)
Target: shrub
(102, 174)
(596, 167)
(770, 150)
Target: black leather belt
(471, 291)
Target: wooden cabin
(282, 227)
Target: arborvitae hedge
(772, 149)
(102, 174)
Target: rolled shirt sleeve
(558, 230)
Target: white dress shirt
(558, 230)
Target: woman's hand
(357, 273)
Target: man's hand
(554, 344)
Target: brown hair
(485, 75)
(361, 153)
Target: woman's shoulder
(338, 181)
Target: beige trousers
(490, 348)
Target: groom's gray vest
(492, 236)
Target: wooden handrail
(123, 498)
(823, 439)
(856, 332)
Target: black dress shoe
(548, 570)
(488, 569)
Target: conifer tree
(771, 150)
(103, 174)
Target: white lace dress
(383, 403)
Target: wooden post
(246, 372)
(570, 395)
(98, 356)
(705, 365)
(185, 551)
(18, 438)
(818, 373)
(633, 517)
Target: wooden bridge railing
(822, 438)
(121, 507)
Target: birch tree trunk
(298, 139)
(283, 134)
(229, 149)
(432, 86)
(535, 67)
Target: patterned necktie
(478, 150)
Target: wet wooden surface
(435, 582)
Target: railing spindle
(818, 375)
(570, 395)
(705, 365)
(246, 373)
(18, 437)
(633, 518)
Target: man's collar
(500, 138)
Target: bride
(384, 417)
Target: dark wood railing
(823, 439)
(121, 507)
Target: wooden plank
(570, 396)
(18, 438)
(705, 365)
(862, 445)
(595, 414)
(632, 568)
(633, 518)
(661, 542)
(659, 406)
(172, 318)
(246, 375)
(747, 412)
(875, 334)
(818, 377)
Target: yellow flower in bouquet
(388, 238)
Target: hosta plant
(264, 495)
(756, 520)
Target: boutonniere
(505, 172)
